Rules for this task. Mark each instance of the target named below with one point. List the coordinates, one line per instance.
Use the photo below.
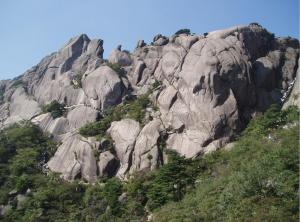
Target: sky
(32, 29)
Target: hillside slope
(254, 180)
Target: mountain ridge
(203, 90)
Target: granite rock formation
(204, 90)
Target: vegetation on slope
(257, 180)
(55, 108)
(131, 109)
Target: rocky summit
(202, 91)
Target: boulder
(160, 40)
(292, 96)
(120, 57)
(146, 154)
(124, 134)
(21, 107)
(52, 78)
(103, 88)
(107, 164)
(55, 127)
(75, 158)
(140, 44)
(81, 115)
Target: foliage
(23, 149)
(76, 82)
(130, 109)
(183, 31)
(112, 191)
(117, 68)
(272, 118)
(257, 180)
(156, 84)
(2, 91)
(55, 108)
(17, 82)
(126, 51)
(171, 180)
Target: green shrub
(171, 181)
(18, 82)
(183, 31)
(76, 81)
(55, 108)
(117, 68)
(272, 118)
(257, 180)
(131, 109)
(112, 190)
(2, 91)
(156, 84)
(25, 161)
(126, 51)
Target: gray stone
(21, 107)
(120, 57)
(160, 40)
(107, 164)
(146, 155)
(75, 158)
(124, 134)
(140, 44)
(103, 88)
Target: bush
(183, 31)
(272, 118)
(112, 191)
(126, 51)
(25, 161)
(156, 84)
(131, 109)
(117, 68)
(55, 108)
(18, 82)
(257, 180)
(2, 91)
(171, 180)
(76, 81)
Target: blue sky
(32, 29)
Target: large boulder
(56, 127)
(21, 107)
(103, 88)
(108, 164)
(80, 115)
(120, 57)
(146, 155)
(52, 78)
(124, 134)
(292, 96)
(75, 158)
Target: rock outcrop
(204, 89)
(124, 134)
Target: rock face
(146, 155)
(204, 90)
(120, 57)
(107, 164)
(103, 88)
(124, 134)
(75, 158)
